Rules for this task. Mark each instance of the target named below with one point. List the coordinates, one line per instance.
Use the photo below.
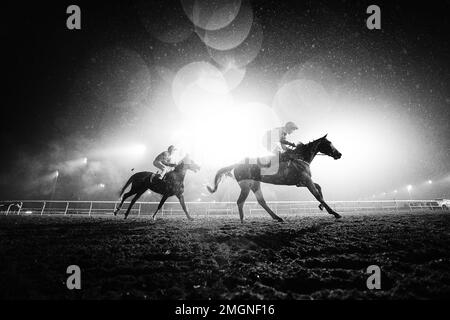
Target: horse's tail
(219, 176)
(126, 185)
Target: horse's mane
(182, 162)
(309, 144)
(304, 150)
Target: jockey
(164, 161)
(275, 139)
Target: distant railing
(48, 207)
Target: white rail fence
(50, 207)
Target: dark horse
(172, 185)
(290, 172)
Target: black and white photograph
(225, 156)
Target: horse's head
(190, 164)
(326, 147)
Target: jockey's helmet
(290, 126)
(171, 148)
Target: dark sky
(46, 109)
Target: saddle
(155, 177)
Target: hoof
(279, 219)
(337, 216)
(321, 207)
(190, 218)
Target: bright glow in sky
(223, 136)
(215, 129)
(129, 151)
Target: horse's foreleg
(319, 188)
(256, 188)
(245, 190)
(318, 195)
(161, 203)
(183, 205)
(124, 197)
(132, 202)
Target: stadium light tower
(430, 181)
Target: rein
(307, 163)
(302, 161)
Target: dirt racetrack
(312, 257)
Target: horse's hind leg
(319, 188)
(245, 190)
(132, 202)
(256, 188)
(318, 195)
(124, 197)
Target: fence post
(67, 207)
(139, 212)
(20, 208)
(90, 209)
(9, 207)
(43, 208)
